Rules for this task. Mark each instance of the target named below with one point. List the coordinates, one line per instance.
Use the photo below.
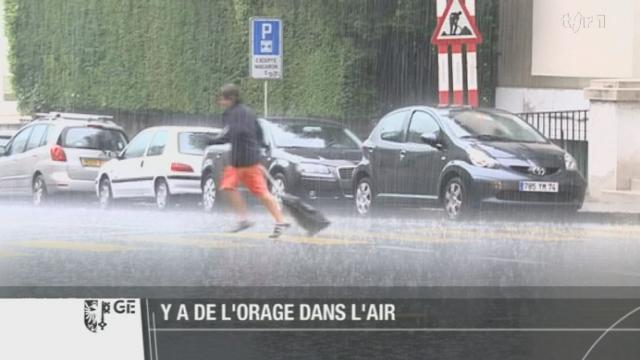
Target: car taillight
(179, 167)
(57, 153)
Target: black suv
(311, 158)
(464, 158)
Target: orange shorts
(251, 177)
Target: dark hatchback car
(463, 159)
(310, 158)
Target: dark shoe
(278, 230)
(241, 226)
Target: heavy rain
(354, 64)
(414, 144)
(80, 245)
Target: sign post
(266, 98)
(457, 32)
(266, 53)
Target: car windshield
(493, 127)
(94, 138)
(193, 143)
(313, 136)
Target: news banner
(295, 323)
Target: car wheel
(278, 186)
(39, 191)
(209, 193)
(105, 194)
(455, 199)
(364, 196)
(163, 196)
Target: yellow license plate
(96, 163)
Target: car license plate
(94, 163)
(539, 186)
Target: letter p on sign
(266, 30)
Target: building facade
(551, 50)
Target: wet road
(79, 245)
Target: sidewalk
(620, 211)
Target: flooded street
(79, 245)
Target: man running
(245, 135)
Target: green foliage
(343, 58)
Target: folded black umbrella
(307, 216)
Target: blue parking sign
(266, 48)
(266, 37)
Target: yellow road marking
(444, 236)
(72, 245)
(534, 234)
(223, 240)
(428, 235)
(570, 233)
(231, 241)
(320, 240)
(433, 236)
(7, 254)
(612, 233)
(187, 240)
(316, 240)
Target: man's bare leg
(240, 208)
(272, 205)
(238, 205)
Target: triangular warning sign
(456, 26)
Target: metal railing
(560, 125)
(567, 129)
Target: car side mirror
(432, 139)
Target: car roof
(303, 120)
(176, 128)
(445, 111)
(70, 119)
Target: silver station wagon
(58, 153)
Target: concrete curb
(605, 216)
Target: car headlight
(480, 158)
(570, 162)
(314, 169)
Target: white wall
(614, 149)
(552, 50)
(585, 38)
(521, 100)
